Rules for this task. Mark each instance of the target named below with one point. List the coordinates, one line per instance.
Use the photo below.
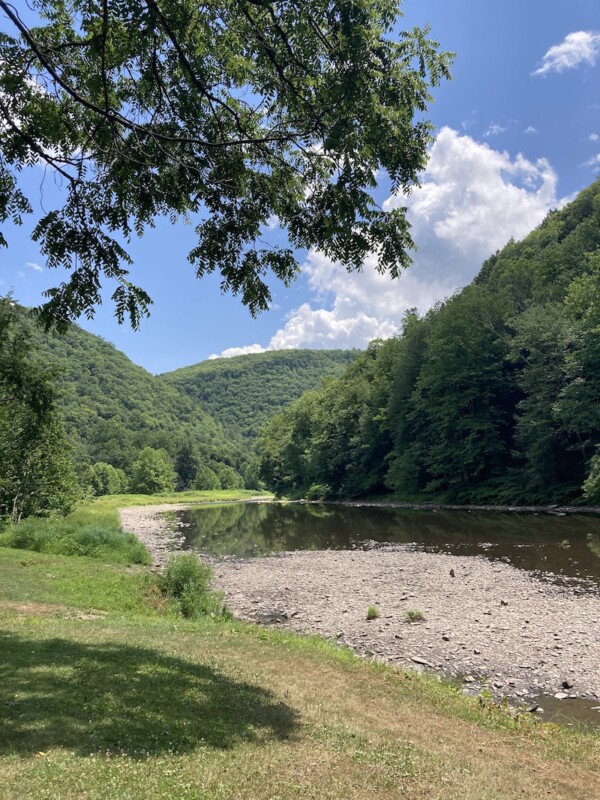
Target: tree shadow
(114, 698)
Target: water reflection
(559, 548)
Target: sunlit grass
(93, 529)
(106, 693)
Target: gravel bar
(487, 621)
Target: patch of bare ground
(491, 621)
(49, 609)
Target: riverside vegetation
(108, 691)
(490, 397)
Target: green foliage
(228, 478)
(187, 461)
(591, 485)
(206, 479)
(285, 110)
(187, 581)
(414, 616)
(69, 538)
(491, 397)
(105, 479)
(244, 392)
(113, 409)
(372, 612)
(318, 491)
(36, 471)
(153, 472)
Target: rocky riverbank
(486, 622)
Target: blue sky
(518, 133)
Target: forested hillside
(494, 395)
(203, 417)
(113, 409)
(243, 392)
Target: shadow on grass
(121, 699)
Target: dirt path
(491, 621)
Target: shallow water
(559, 549)
(564, 550)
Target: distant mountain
(244, 392)
(113, 408)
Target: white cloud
(594, 137)
(238, 351)
(581, 47)
(531, 129)
(593, 162)
(35, 267)
(494, 130)
(472, 200)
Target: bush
(153, 472)
(318, 491)
(206, 479)
(106, 479)
(414, 616)
(187, 581)
(228, 477)
(372, 612)
(68, 538)
(591, 485)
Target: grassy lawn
(106, 693)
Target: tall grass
(93, 529)
(69, 537)
(186, 580)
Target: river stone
(419, 660)
(561, 695)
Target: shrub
(106, 479)
(187, 581)
(372, 612)
(228, 477)
(206, 478)
(153, 472)
(414, 616)
(591, 485)
(318, 491)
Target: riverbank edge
(552, 510)
(162, 537)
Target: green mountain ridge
(113, 408)
(493, 396)
(243, 392)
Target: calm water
(561, 549)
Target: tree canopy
(228, 113)
(36, 473)
(492, 396)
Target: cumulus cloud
(581, 47)
(593, 162)
(471, 201)
(594, 137)
(35, 267)
(530, 129)
(238, 351)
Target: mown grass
(138, 702)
